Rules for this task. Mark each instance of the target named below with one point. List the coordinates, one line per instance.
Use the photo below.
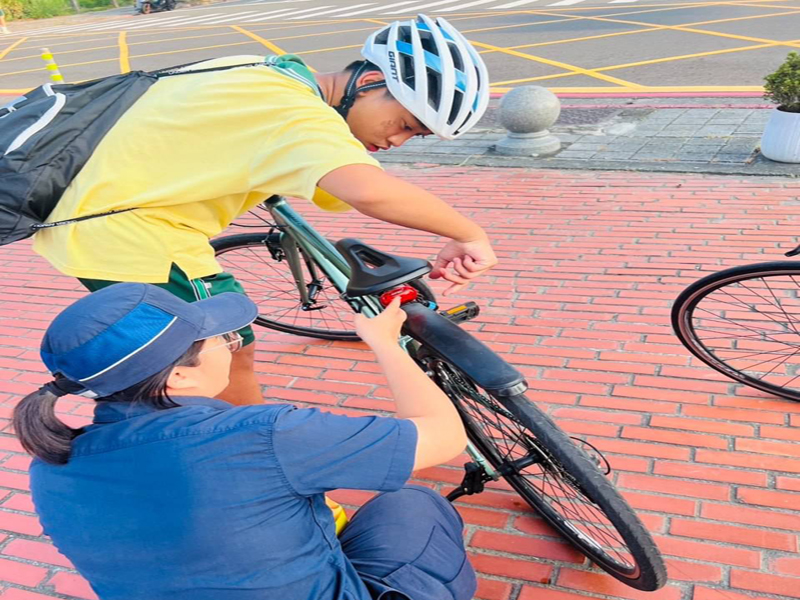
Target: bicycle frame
(335, 267)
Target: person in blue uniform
(170, 494)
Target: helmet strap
(351, 92)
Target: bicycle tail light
(406, 293)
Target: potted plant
(781, 139)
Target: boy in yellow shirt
(197, 151)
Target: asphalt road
(580, 46)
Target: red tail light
(406, 293)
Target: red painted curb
(653, 95)
(657, 106)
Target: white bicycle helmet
(433, 71)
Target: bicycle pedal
(462, 312)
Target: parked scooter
(145, 7)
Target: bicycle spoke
(548, 480)
(272, 286)
(750, 328)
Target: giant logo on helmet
(393, 65)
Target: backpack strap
(169, 72)
(39, 226)
(288, 64)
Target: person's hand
(383, 329)
(460, 262)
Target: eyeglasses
(233, 341)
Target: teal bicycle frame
(296, 232)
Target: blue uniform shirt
(213, 502)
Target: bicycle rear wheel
(262, 269)
(555, 477)
(745, 323)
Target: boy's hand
(460, 262)
(383, 329)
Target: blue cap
(124, 333)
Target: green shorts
(190, 290)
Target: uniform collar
(114, 411)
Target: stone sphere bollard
(527, 112)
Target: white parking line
(193, 20)
(287, 13)
(69, 28)
(514, 4)
(335, 10)
(566, 3)
(416, 8)
(234, 17)
(268, 15)
(154, 22)
(369, 10)
(467, 5)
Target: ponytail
(46, 437)
(40, 432)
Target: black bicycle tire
(688, 300)
(245, 240)
(651, 572)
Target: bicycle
(745, 323)
(305, 285)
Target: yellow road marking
(563, 20)
(645, 62)
(685, 56)
(5, 52)
(124, 63)
(686, 29)
(272, 47)
(329, 49)
(560, 65)
(695, 89)
(651, 28)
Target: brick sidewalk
(590, 265)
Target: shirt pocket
(440, 572)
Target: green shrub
(35, 9)
(783, 86)
(41, 9)
(14, 9)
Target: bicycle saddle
(374, 271)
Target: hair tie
(61, 386)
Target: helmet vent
(434, 88)
(458, 98)
(457, 62)
(407, 70)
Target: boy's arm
(375, 193)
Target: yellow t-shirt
(192, 154)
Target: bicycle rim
(269, 283)
(558, 480)
(745, 323)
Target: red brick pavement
(590, 263)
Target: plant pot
(781, 139)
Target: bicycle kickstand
(473, 481)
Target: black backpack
(47, 135)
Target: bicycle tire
(559, 458)
(333, 327)
(719, 319)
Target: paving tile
(675, 131)
(582, 154)
(591, 262)
(715, 130)
(610, 155)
